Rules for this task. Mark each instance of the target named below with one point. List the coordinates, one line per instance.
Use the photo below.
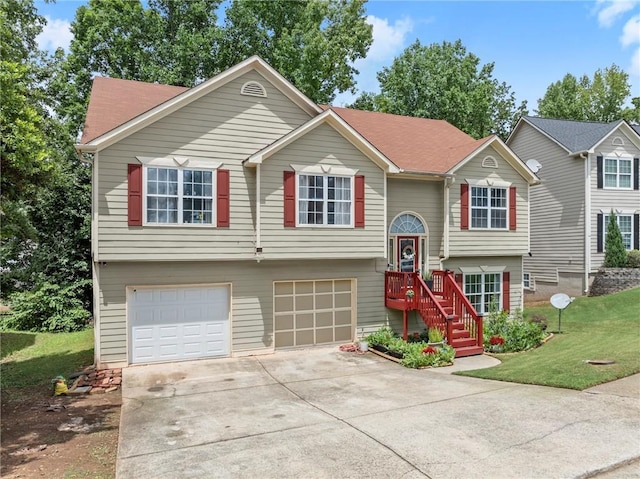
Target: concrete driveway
(322, 413)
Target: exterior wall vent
(618, 141)
(489, 162)
(253, 88)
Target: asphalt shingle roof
(575, 136)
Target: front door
(408, 254)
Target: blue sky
(532, 43)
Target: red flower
(429, 350)
(496, 340)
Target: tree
(599, 99)
(443, 81)
(615, 255)
(180, 42)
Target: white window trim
(493, 185)
(173, 163)
(313, 171)
(483, 273)
(617, 158)
(531, 286)
(618, 213)
(324, 170)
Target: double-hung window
(484, 291)
(617, 173)
(325, 200)
(488, 207)
(179, 195)
(625, 224)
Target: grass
(30, 359)
(604, 327)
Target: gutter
(449, 180)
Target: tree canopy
(601, 98)
(443, 81)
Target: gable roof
(574, 136)
(414, 144)
(107, 137)
(114, 101)
(331, 118)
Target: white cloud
(388, 39)
(610, 10)
(55, 34)
(388, 42)
(634, 71)
(631, 31)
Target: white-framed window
(484, 291)
(489, 208)
(177, 195)
(617, 173)
(325, 200)
(625, 224)
(526, 281)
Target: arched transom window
(407, 224)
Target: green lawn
(605, 327)
(30, 359)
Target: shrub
(515, 333)
(50, 308)
(382, 336)
(615, 256)
(633, 258)
(416, 357)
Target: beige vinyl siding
(321, 146)
(251, 295)
(603, 200)
(557, 207)
(424, 198)
(223, 126)
(479, 242)
(512, 264)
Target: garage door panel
(313, 312)
(179, 323)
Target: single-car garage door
(313, 312)
(169, 324)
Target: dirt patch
(59, 437)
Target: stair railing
(462, 308)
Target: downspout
(445, 233)
(385, 236)
(587, 219)
(258, 215)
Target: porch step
(457, 325)
(463, 342)
(460, 333)
(469, 351)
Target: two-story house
(587, 170)
(238, 217)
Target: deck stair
(444, 306)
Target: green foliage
(601, 327)
(443, 81)
(518, 334)
(50, 308)
(599, 99)
(615, 256)
(633, 258)
(414, 356)
(382, 336)
(435, 335)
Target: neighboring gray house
(238, 217)
(587, 169)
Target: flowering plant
(410, 293)
(496, 340)
(429, 350)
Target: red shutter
(290, 198)
(464, 206)
(359, 201)
(222, 198)
(512, 208)
(134, 185)
(506, 293)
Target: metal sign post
(560, 301)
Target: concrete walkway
(322, 413)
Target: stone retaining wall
(612, 280)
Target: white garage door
(168, 324)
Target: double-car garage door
(170, 324)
